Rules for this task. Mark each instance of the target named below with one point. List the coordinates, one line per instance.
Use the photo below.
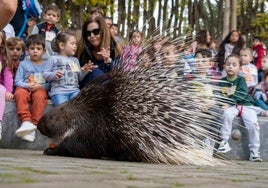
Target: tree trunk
(226, 18)
(234, 15)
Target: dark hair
(206, 53)
(53, 7)
(201, 37)
(132, 33)
(106, 37)
(257, 38)
(61, 37)
(236, 56)
(114, 24)
(265, 75)
(238, 46)
(36, 39)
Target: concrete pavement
(31, 169)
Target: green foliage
(259, 25)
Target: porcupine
(142, 115)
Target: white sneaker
(25, 128)
(224, 147)
(255, 157)
(29, 137)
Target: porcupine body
(142, 115)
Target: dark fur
(135, 116)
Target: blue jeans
(60, 98)
(261, 103)
(90, 76)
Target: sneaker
(29, 137)
(25, 128)
(224, 147)
(255, 157)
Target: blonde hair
(247, 49)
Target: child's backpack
(31, 9)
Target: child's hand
(224, 107)
(105, 53)
(88, 67)
(9, 96)
(34, 86)
(59, 74)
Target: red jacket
(258, 53)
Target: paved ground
(31, 169)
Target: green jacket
(237, 91)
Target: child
(15, 49)
(48, 28)
(114, 32)
(232, 43)
(31, 87)
(6, 78)
(132, 51)
(264, 67)
(169, 58)
(260, 93)
(189, 58)
(258, 52)
(248, 70)
(63, 70)
(240, 103)
(212, 47)
(204, 88)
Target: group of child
(50, 59)
(38, 73)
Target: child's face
(136, 39)
(114, 30)
(51, 17)
(169, 55)
(246, 57)
(157, 45)
(15, 52)
(234, 37)
(264, 64)
(256, 42)
(201, 64)
(70, 47)
(188, 50)
(232, 66)
(36, 51)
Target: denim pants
(60, 98)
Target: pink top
(6, 78)
(130, 56)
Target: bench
(11, 123)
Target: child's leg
(250, 120)
(22, 99)
(39, 103)
(228, 116)
(2, 101)
(261, 103)
(60, 98)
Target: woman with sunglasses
(97, 48)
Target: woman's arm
(7, 11)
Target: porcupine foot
(50, 151)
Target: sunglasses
(94, 31)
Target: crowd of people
(55, 64)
